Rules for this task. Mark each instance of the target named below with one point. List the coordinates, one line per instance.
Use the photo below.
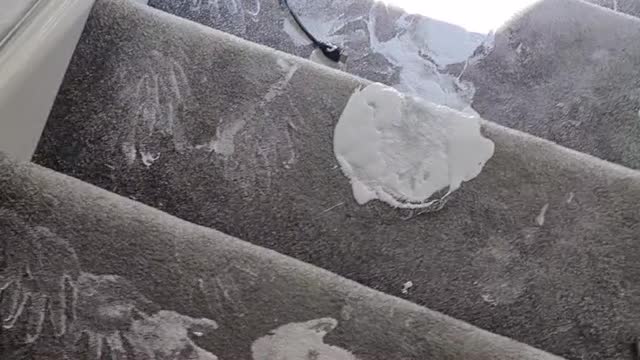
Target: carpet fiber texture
(237, 137)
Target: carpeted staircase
(204, 132)
(569, 72)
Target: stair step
(144, 282)
(567, 71)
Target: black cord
(333, 52)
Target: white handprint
(108, 317)
(114, 321)
(156, 97)
(38, 271)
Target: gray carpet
(371, 32)
(562, 70)
(630, 7)
(569, 72)
(540, 247)
(98, 276)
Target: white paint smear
(295, 33)
(406, 286)
(297, 341)
(130, 152)
(148, 158)
(541, 215)
(108, 310)
(166, 334)
(223, 144)
(402, 150)
(419, 76)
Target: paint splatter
(489, 299)
(541, 216)
(570, 197)
(114, 318)
(230, 16)
(38, 277)
(130, 152)
(297, 341)
(280, 87)
(148, 158)
(403, 150)
(502, 271)
(223, 144)
(406, 286)
(253, 153)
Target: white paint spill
(115, 311)
(418, 55)
(402, 150)
(295, 34)
(223, 144)
(406, 286)
(280, 87)
(519, 49)
(416, 47)
(130, 152)
(165, 332)
(256, 8)
(148, 158)
(540, 217)
(331, 208)
(296, 341)
(489, 299)
(570, 198)
(346, 312)
(284, 64)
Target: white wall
(11, 11)
(32, 64)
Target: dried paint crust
(403, 150)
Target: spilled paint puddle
(402, 150)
